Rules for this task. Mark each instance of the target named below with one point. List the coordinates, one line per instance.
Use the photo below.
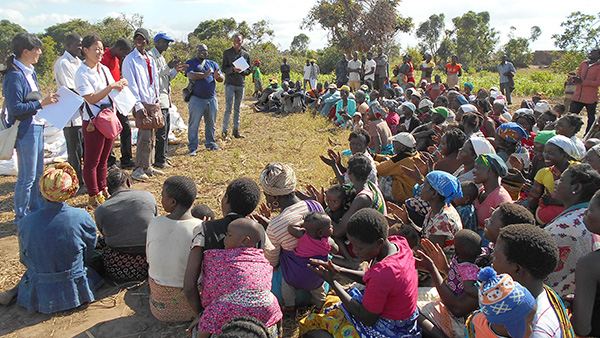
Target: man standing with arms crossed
(203, 102)
(166, 74)
(235, 81)
(141, 73)
(64, 73)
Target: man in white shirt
(307, 69)
(354, 67)
(166, 74)
(142, 75)
(370, 66)
(64, 73)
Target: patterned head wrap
(59, 182)
(511, 132)
(493, 162)
(543, 136)
(425, 103)
(566, 144)
(410, 106)
(278, 179)
(445, 184)
(504, 301)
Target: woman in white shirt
(94, 81)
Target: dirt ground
(122, 309)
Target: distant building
(546, 57)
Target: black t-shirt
(285, 71)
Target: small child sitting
(237, 281)
(314, 241)
(203, 212)
(167, 250)
(335, 198)
(458, 293)
(464, 205)
(507, 308)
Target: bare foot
(8, 296)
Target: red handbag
(106, 122)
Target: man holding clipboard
(235, 81)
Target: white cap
(405, 138)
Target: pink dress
(311, 247)
(494, 199)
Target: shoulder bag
(106, 121)
(187, 91)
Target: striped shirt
(277, 231)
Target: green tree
(260, 32)
(327, 59)
(430, 34)
(220, 28)
(300, 43)
(111, 29)
(582, 32)
(517, 48)
(59, 31)
(7, 31)
(49, 55)
(357, 24)
(474, 38)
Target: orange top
(453, 69)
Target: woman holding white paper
(23, 101)
(94, 82)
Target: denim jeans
(30, 154)
(199, 108)
(74, 139)
(232, 92)
(162, 139)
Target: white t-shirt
(354, 65)
(167, 249)
(89, 81)
(370, 65)
(546, 320)
(307, 72)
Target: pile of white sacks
(55, 147)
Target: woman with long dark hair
(18, 84)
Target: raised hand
(436, 254)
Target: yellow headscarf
(59, 182)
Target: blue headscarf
(512, 132)
(445, 184)
(461, 98)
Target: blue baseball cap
(162, 36)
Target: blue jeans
(30, 154)
(230, 92)
(199, 108)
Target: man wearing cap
(112, 58)
(586, 92)
(329, 99)
(235, 81)
(285, 70)
(203, 102)
(64, 73)
(142, 75)
(166, 74)
(507, 74)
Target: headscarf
(494, 162)
(466, 108)
(543, 136)
(512, 132)
(542, 107)
(442, 111)
(445, 184)
(278, 179)
(469, 84)
(461, 99)
(425, 103)
(410, 106)
(482, 146)
(345, 87)
(405, 138)
(566, 144)
(58, 183)
(524, 111)
(596, 149)
(504, 301)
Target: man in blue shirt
(203, 102)
(507, 74)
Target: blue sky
(179, 17)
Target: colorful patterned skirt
(168, 304)
(340, 323)
(124, 267)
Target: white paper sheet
(124, 100)
(60, 113)
(241, 64)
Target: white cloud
(17, 5)
(12, 15)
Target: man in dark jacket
(235, 80)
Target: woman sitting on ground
(123, 220)
(472, 148)
(448, 148)
(55, 243)
(489, 169)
